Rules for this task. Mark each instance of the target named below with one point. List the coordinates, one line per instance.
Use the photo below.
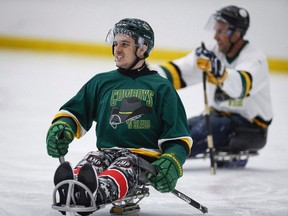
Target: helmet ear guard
(140, 43)
(143, 48)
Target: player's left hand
(169, 171)
(210, 64)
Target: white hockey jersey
(246, 91)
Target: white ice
(32, 88)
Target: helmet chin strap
(137, 59)
(231, 43)
(231, 32)
(230, 47)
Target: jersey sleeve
(181, 72)
(81, 108)
(249, 76)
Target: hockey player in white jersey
(238, 85)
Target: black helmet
(140, 30)
(236, 17)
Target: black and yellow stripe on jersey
(246, 83)
(173, 74)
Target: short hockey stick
(60, 135)
(151, 169)
(61, 159)
(209, 133)
(190, 201)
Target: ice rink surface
(32, 88)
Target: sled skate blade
(70, 208)
(129, 204)
(233, 159)
(126, 209)
(229, 159)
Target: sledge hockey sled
(126, 205)
(226, 159)
(123, 206)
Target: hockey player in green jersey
(138, 114)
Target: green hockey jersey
(138, 110)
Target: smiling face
(125, 51)
(224, 36)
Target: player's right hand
(210, 64)
(59, 136)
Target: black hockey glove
(210, 64)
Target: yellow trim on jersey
(187, 139)
(145, 152)
(248, 82)
(78, 132)
(175, 75)
(259, 123)
(189, 142)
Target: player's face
(222, 36)
(124, 51)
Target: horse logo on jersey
(130, 109)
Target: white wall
(178, 24)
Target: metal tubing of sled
(69, 207)
(133, 196)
